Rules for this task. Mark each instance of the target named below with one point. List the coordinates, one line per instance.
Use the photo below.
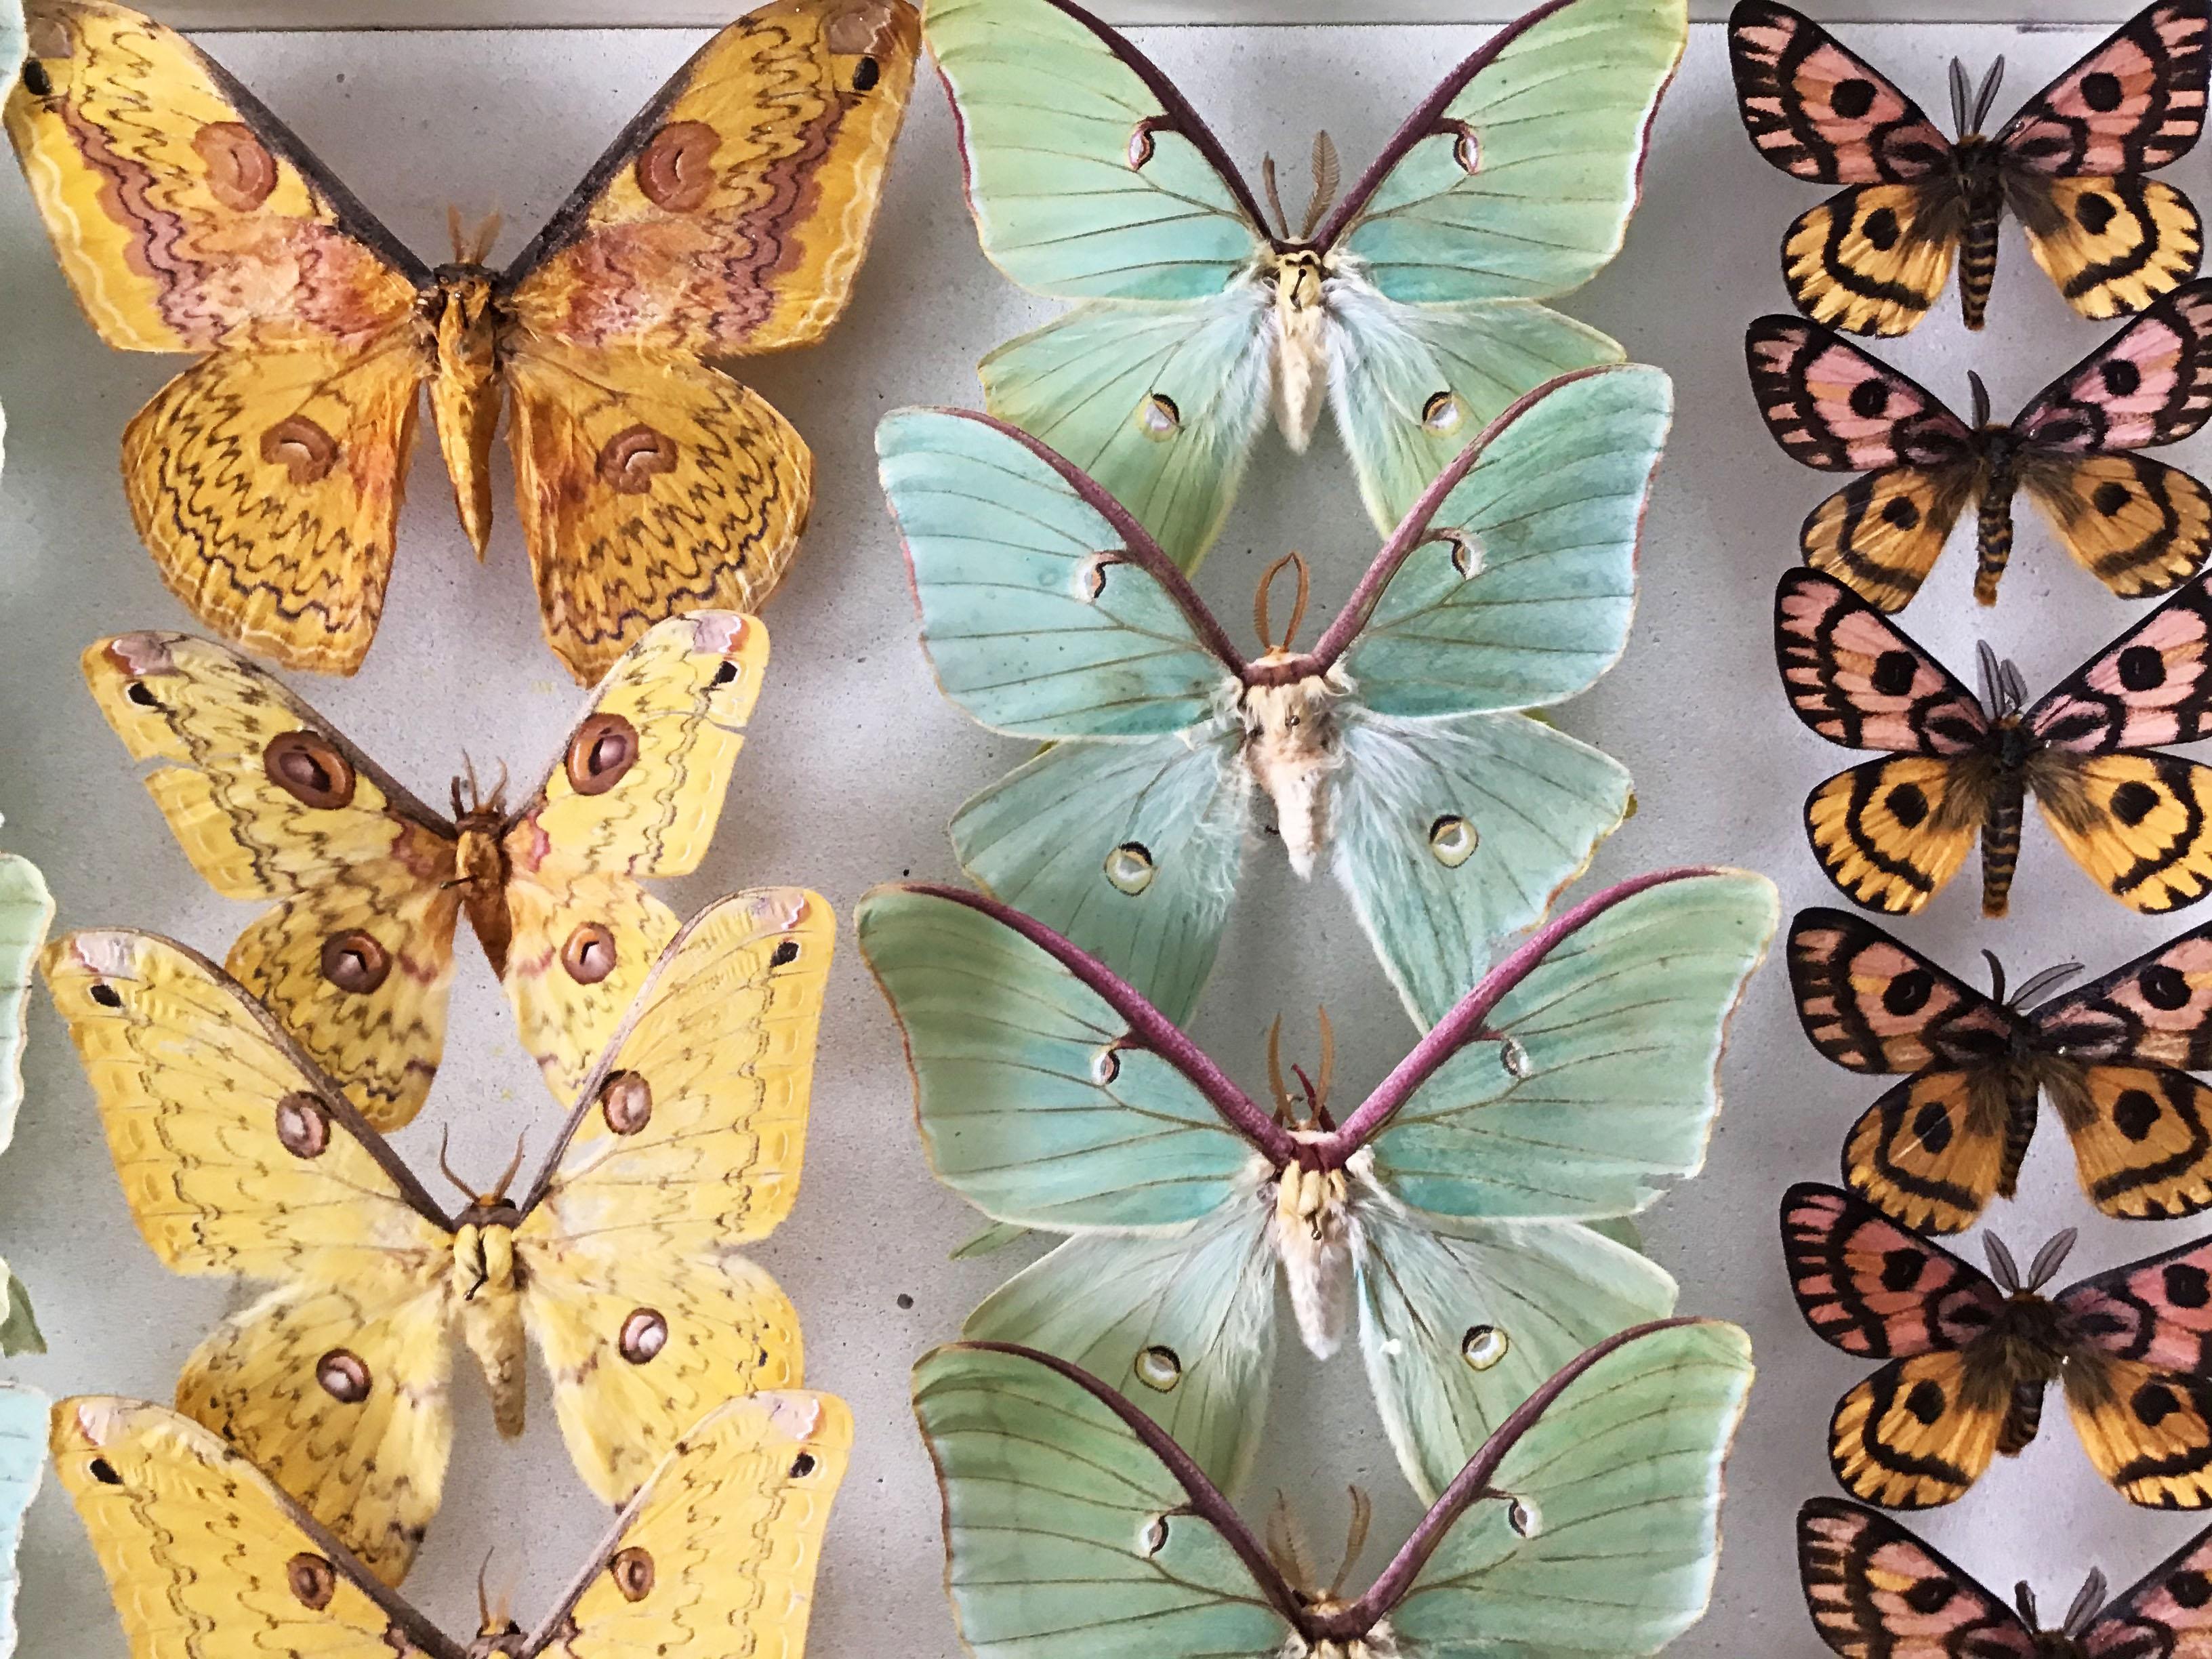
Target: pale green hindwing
(23, 1415)
(1065, 1537)
(1606, 1082)
(26, 908)
(1619, 1487)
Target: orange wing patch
(1872, 259)
(2113, 244)
(2139, 824)
(2143, 1140)
(1915, 1434)
(1931, 1153)
(2138, 526)
(1879, 534)
(1892, 832)
(2148, 1431)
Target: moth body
(1977, 210)
(480, 866)
(1301, 344)
(1290, 748)
(1997, 481)
(465, 392)
(486, 1294)
(1311, 1231)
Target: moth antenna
(1987, 671)
(1313, 1096)
(2023, 1599)
(457, 812)
(2049, 1258)
(1327, 1065)
(1326, 177)
(1286, 1548)
(487, 235)
(1961, 90)
(1981, 396)
(1275, 1070)
(1355, 1540)
(2049, 979)
(2015, 686)
(513, 1167)
(1259, 619)
(483, 1594)
(445, 1169)
(2086, 1601)
(1996, 975)
(455, 232)
(1275, 196)
(1988, 99)
(2003, 1267)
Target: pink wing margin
(1860, 683)
(2135, 102)
(2149, 384)
(1874, 1588)
(2148, 687)
(1831, 406)
(1868, 1286)
(1819, 111)
(2158, 1310)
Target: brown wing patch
(2111, 244)
(1873, 260)
(2138, 526)
(1915, 1434)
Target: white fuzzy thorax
(1379, 1643)
(1290, 748)
(1311, 1232)
(1301, 341)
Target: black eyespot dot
(2094, 212)
(142, 694)
(2110, 498)
(787, 952)
(2133, 802)
(2141, 668)
(2122, 378)
(727, 673)
(104, 1472)
(1909, 992)
(1895, 673)
(1925, 1402)
(1901, 1269)
(36, 81)
(105, 995)
(1868, 400)
(2135, 1114)
(2189, 1588)
(2164, 987)
(2153, 1403)
(1900, 514)
(865, 74)
(802, 1466)
(1929, 1595)
(1881, 228)
(2186, 1286)
(2101, 91)
(1931, 1126)
(1851, 99)
(1908, 804)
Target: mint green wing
(1461, 1321)
(1184, 1324)
(18, 1325)
(1029, 1108)
(1452, 834)
(1160, 404)
(1088, 176)
(1412, 386)
(1618, 1491)
(1130, 850)
(1520, 581)
(23, 1415)
(1604, 1080)
(1043, 607)
(1516, 179)
(26, 908)
(1066, 1537)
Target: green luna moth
(1448, 1215)
(1396, 746)
(26, 908)
(1408, 305)
(1076, 1527)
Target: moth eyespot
(343, 1376)
(802, 1466)
(104, 1472)
(1141, 145)
(1524, 1517)
(1453, 840)
(1159, 1369)
(632, 1572)
(142, 694)
(36, 81)
(588, 955)
(1090, 576)
(630, 460)
(1484, 1345)
(604, 748)
(726, 674)
(644, 1334)
(1154, 1538)
(303, 1126)
(786, 953)
(1466, 553)
(307, 454)
(1514, 1057)
(1106, 1067)
(675, 170)
(1129, 867)
(1158, 416)
(312, 1580)
(308, 767)
(354, 961)
(626, 1102)
(1443, 413)
(865, 74)
(2165, 987)
(1466, 148)
(105, 995)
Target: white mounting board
(855, 763)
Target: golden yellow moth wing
(649, 484)
(2141, 823)
(1915, 1433)
(688, 1142)
(2142, 1138)
(268, 799)
(1873, 258)
(266, 484)
(1879, 534)
(1930, 1153)
(732, 215)
(2138, 526)
(637, 791)
(2147, 1430)
(237, 1157)
(205, 1556)
(186, 215)
(719, 1553)
(1891, 832)
(2112, 245)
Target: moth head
(491, 1209)
(498, 1636)
(476, 810)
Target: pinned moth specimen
(239, 1156)
(2068, 166)
(1454, 1216)
(1397, 749)
(1407, 304)
(1610, 1470)
(1968, 1356)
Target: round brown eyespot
(626, 1102)
(588, 954)
(307, 766)
(343, 1376)
(632, 1572)
(603, 749)
(355, 963)
(644, 1334)
(303, 1125)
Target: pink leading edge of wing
(2177, 633)
(1885, 717)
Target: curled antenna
(1961, 91)
(445, 1168)
(2049, 1258)
(1996, 975)
(1326, 175)
(1275, 199)
(2086, 1601)
(2003, 1267)
(1980, 393)
(2049, 979)
(1291, 561)
(1282, 1091)
(1355, 1540)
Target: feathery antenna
(1295, 562)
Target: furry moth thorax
(1298, 272)
(1310, 1224)
(1290, 739)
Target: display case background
(855, 763)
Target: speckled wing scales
(637, 792)
(237, 1157)
(729, 218)
(687, 1142)
(270, 801)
